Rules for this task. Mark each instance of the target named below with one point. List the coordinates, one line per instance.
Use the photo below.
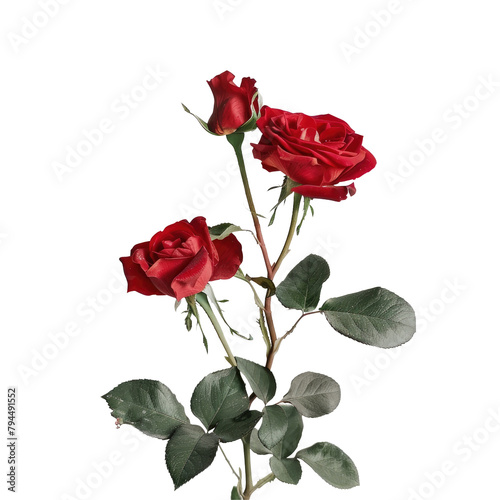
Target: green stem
(248, 469)
(265, 334)
(286, 247)
(291, 232)
(270, 324)
(241, 275)
(206, 307)
(236, 140)
(278, 342)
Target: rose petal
(330, 119)
(164, 271)
(303, 169)
(188, 248)
(267, 114)
(249, 85)
(181, 230)
(194, 277)
(333, 193)
(230, 258)
(263, 151)
(199, 225)
(136, 278)
(140, 256)
(367, 164)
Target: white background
(426, 232)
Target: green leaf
(256, 444)
(242, 276)
(192, 310)
(265, 283)
(202, 299)
(203, 123)
(313, 394)
(209, 292)
(292, 435)
(307, 207)
(265, 334)
(301, 289)
(287, 470)
(189, 452)
(234, 494)
(221, 231)
(189, 323)
(331, 464)
(261, 379)
(219, 396)
(231, 429)
(290, 440)
(148, 405)
(285, 192)
(375, 317)
(274, 425)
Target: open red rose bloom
(180, 260)
(318, 152)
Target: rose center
(178, 249)
(309, 134)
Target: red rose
(234, 106)
(180, 260)
(318, 152)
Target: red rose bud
(318, 152)
(234, 106)
(180, 260)
(236, 109)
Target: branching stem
(236, 141)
